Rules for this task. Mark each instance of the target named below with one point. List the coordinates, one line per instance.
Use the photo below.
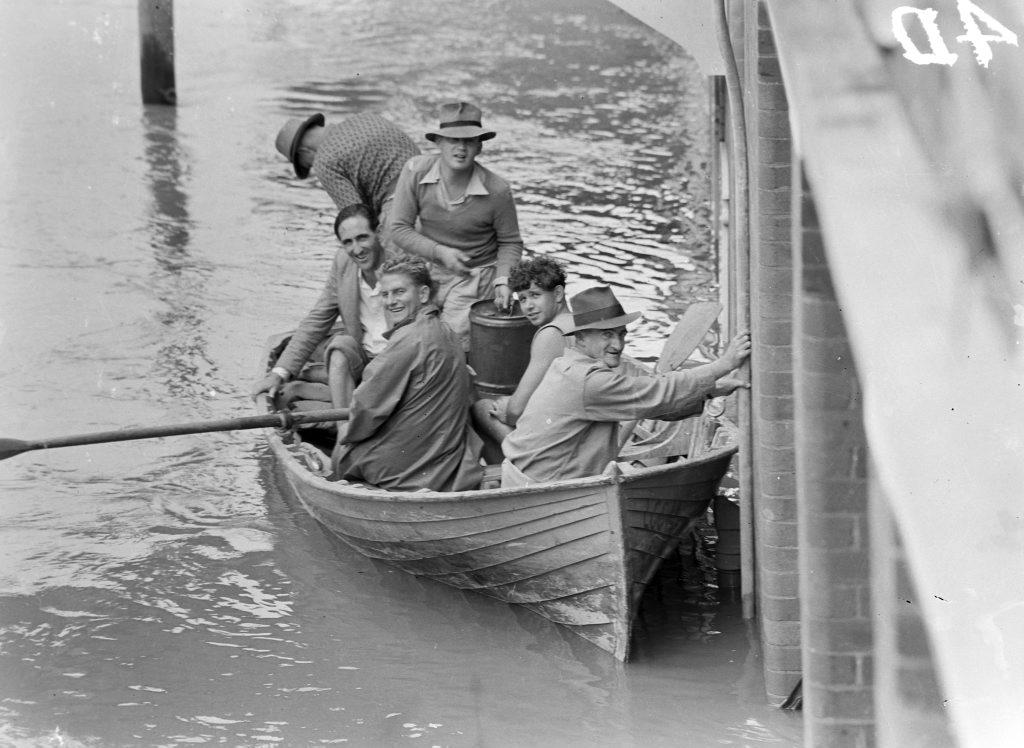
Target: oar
(284, 420)
(689, 331)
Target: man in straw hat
(357, 160)
(467, 218)
(570, 426)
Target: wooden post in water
(156, 51)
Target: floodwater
(171, 592)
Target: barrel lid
(487, 308)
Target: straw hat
(290, 136)
(598, 309)
(460, 119)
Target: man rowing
(345, 328)
(570, 426)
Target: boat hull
(579, 553)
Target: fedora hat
(290, 136)
(460, 119)
(597, 309)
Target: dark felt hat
(290, 136)
(597, 309)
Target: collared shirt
(359, 159)
(372, 317)
(570, 426)
(409, 423)
(475, 186)
(483, 224)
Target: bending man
(570, 426)
(357, 160)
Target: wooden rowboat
(579, 553)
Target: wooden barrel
(499, 347)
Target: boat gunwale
(355, 490)
(361, 491)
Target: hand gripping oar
(283, 419)
(689, 331)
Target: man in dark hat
(467, 222)
(570, 426)
(357, 159)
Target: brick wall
(771, 291)
(835, 574)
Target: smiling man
(409, 423)
(569, 428)
(461, 216)
(345, 328)
(540, 285)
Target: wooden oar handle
(281, 419)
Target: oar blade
(684, 339)
(688, 334)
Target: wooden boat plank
(456, 535)
(514, 566)
(484, 548)
(588, 608)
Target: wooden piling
(156, 51)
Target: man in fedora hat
(357, 160)
(468, 225)
(570, 426)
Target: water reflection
(180, 279)
(169, 224)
